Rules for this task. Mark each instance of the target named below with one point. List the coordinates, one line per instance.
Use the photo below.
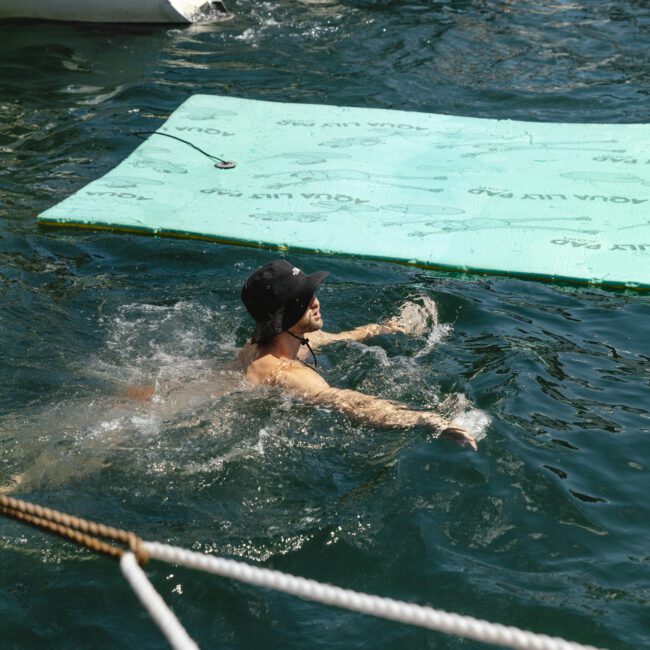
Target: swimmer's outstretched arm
(412, 319)
(368, 409)
(361, 333)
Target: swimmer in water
(282, 300)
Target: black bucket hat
(277, 295)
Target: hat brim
(288, 315)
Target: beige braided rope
(87, 533)
(80, 531)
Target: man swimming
(282, 301)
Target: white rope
(427, 617)
(163, 616)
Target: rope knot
(136, 546)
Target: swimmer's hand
(414, 318)
(462, 436)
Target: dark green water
(546, 527)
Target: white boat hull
(113, 11)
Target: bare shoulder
(261, 370)
(301, 379)
(245, 356)
(292, 375)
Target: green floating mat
(568, 202)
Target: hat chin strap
(304, 341)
